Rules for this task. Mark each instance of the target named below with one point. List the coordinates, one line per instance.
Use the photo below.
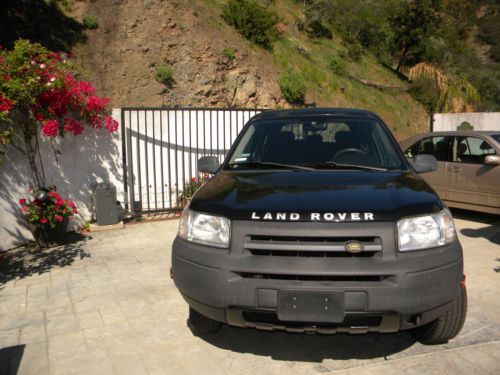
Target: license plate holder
(311, 306)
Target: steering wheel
(349, 150)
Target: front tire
(447, 326)
(201, 325)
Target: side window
(437, 146)
(471, 150)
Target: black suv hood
(250, 195)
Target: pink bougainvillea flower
(24, 208)
(22, 201)
(50, 128)
(59, 217)
(5, 104)
(111, 124)
(96, 103)
(73, 126)
(43, 220)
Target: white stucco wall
(84, 160)
(479, 120)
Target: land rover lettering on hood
(316, 222)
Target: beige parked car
(468, 173)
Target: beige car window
(471, 150)
(437, 146)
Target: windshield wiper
(332, 164)
(269, 164)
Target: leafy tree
(489, 32)
(413, 23)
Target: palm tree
(450, 94)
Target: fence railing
(161, 147)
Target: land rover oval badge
(354, 247)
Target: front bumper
(388, 293)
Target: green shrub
(354, 51)
(163, 74)
(337, 65)
(252, 20)
(229, 53)
(90, 22)
(465, 126)
(292, 86)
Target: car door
(470, 181)
(439, 147)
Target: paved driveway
(107, 306)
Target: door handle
(455, 169)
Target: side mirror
(492, 160)
(424, 163)
(208, 164)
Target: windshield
(321, 143)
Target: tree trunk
(402, 59)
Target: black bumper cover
(386, 295)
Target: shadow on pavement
(30, 260)
(309, 348)
(478, 217)
(490, 232)
(10, 359)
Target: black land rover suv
(316, 222)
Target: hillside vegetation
(276, 53)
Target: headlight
(423, 232)
(205, 229)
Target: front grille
(288, 246)
(344, 278)
(316, 254)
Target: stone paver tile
(131, 363)
(134, 308)
(33, 334)
(49, 303)
(68, 343)
(52, 312)
(34, 360)
(16, 305)
(89, 319)
(87, 362)
(112, 315)
(272, 369)
(157, 361)
(61, 324)
(37, 291)
(193, 359)
(479, 359)
(20, 320)
(9, 337)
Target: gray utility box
(106, 210)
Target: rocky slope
(135, 36)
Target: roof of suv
(304, 112)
